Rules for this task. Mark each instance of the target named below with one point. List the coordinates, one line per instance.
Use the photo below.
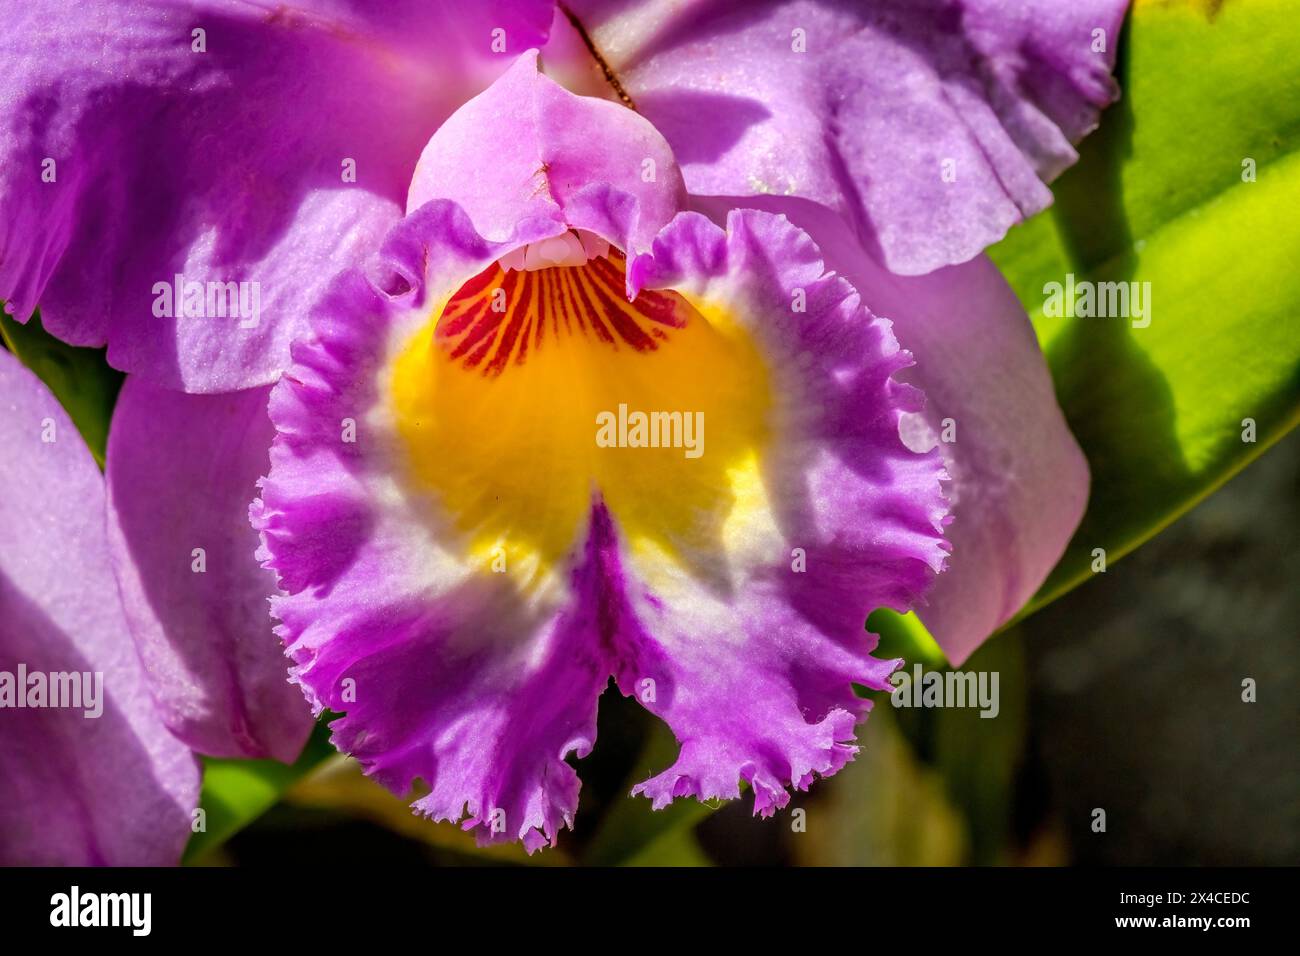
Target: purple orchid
(476, 317)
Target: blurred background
(1125, 695)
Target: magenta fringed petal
(468, 558)
(480, 687)
(754, 670)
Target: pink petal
(181, 472)
(116, 789)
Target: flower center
(531, 391)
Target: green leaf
(237, 792)
(631, 829)
(903, 635)
(674, 848)
(978, 751)
(80, 379)
(1159, 197)
(888, 807)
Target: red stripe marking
(520, 316)
(590, 311)
(585, 296)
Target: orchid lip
(503, 561)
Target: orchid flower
(564, 384)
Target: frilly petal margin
(181, 470)
(116, 789)
(382, 604)
(1018, 479)
(456, 678)
(141, 141)
(481, 688)
(931, 125)
(753, 668)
